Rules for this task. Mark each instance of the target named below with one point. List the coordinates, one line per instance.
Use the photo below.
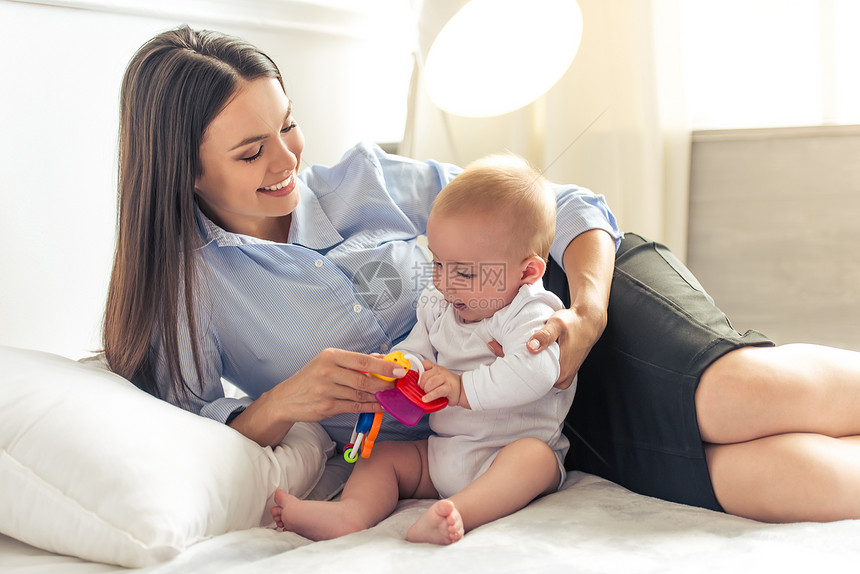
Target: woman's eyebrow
(261, 137)
(249, 140)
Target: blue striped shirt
(349, 277)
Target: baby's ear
(533, 269)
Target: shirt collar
(309, 227)
(212, 233)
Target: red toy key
(404, 400)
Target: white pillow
(91, 466)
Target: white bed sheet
(591, 525)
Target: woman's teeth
(278, 186)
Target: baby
(499, 444)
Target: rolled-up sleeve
(580, 210)
(225, 409)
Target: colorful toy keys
(363, 436)
(404, 402)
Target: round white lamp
(495, 56)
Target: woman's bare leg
(396, 470)
(792, 477)
(756, 392)
(782, 422)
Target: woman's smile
(282, 188)
(250, 157)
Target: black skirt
(633, 420)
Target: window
(764, 63)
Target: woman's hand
(576, 334)
(589, 262)
(333, 382)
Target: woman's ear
(533, 269)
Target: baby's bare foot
(440, 524)
(281, 499)
(313, 519)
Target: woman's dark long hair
(173, 88)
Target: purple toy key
(400, 407)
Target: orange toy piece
(363, 436)
(371, 435)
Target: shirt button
(356, 308)
(383, 347)
(318, 262)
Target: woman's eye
(289, 128)
(255, 156)
(465, 275)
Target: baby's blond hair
(506, 187)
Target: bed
(96, 477)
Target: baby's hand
(438, 382)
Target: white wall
(773, 218)
(345, 67)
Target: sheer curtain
(615, 123)
(623, 95)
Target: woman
(228, 264)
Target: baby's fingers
(429, 381)
(437, 393)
